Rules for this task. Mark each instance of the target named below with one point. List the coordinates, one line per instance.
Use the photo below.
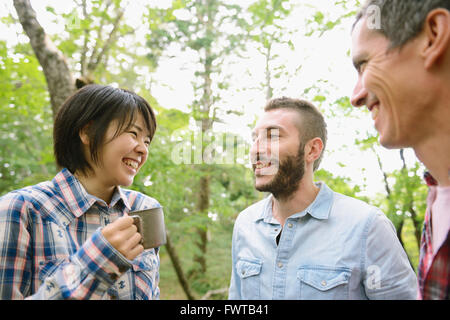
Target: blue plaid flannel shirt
(51, 245)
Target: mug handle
(137, 221)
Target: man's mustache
(254, 158)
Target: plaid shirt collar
(78, 200)
(52, 245)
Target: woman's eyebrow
(137, 127)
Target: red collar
(429, 179)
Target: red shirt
(434, 269)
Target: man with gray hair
(401, 51)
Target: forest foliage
(99, 43)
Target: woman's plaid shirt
(51, 245)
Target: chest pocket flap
(48, 268)
(324, 278)
(247, 268)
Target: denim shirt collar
(319, 209)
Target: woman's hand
(123, 236)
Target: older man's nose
(359, 95)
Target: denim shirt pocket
(249, 271)
(323, 283)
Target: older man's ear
(436, 35)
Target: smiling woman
(115, 112)
(72, 238)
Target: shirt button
(122, 269)
(280, 265)
(290, 225)
(323, 283)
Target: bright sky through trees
(318, 61)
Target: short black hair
(97, 106)
(312, 124)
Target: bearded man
(305, 241)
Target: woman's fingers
(123, 236)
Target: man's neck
(434, 150)
(435, 155)
(283, 208)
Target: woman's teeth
(131, 163)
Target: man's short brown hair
(312, 123)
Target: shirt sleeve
(235, 282)
(86, 274)
(15, 250)
(145, 266)
(387, 271)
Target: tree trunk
(399, 236)
(57, 73)
(207, 123)
(380, 165)
(268, 56)
(399, 226)
(417, 227)
(399, 230)
(202, 242)
(178, 269)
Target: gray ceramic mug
(150, 224)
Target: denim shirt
(337, 248)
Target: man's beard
(287, 178)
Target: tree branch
(178, 269)
(94, 62)
(214, 292)
(85, 41)
(380, 165)
(99, 35)
(417, 227)
(56, 70)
